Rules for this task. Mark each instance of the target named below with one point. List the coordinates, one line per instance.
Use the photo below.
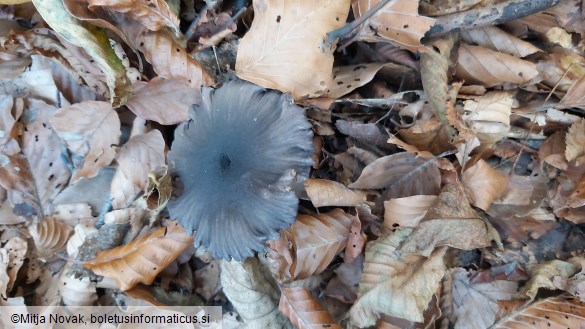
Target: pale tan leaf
(136, 159)
(309, 245)
(91, 138)
(397, 22)
(491, 68)
(77, 291)
(483, 184)
(164, 101)
(577, 198)
(141, 260)
(17, 248)
(50, 235)
(171, 61)
(575, 140)
(575, 96)
(4, 279)
(407, 212)
(154, 14)
(323, 192)
(303, 310)
(285, 47)
(489, 115)
(552, 151)
(553, 313)
(543, 276)
(93, 41)
(402, 174)
(81, 232)
(356, 241)
(496, 39)
(450, 221)
(394, 283)
(208, 279)
(429, 135)
(250, 290)
(348, 78)
(475, 305)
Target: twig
(492, 15)
(349, 27)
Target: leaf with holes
(141, 260)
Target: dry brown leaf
(323, 192)
(171, 61)
(285, 48)
(407, 212)
(16, 248)
(141, 260)
(396, 284)
(154, 14)
(348, 78)
(483, 184)
(91, 138)
(575, 96)
(303, 310)
(475, 305)
(397, 22)
(344, 286)
(356, 241)
(491, 68)
(164, 101)
(553, 313)
(369, 133)
(50, 235)
(544, 276)
(575, 140)
(309, 245)
(450, 221)
(402, 174)
(489, 115)
(429, 135)
(552, 151)
(207, 279)
(496, 39)
(136, 159)
(577, 198)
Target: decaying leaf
(50, 235)
(310, 244)
(303, 310)
(4, 279)
(16, 248)
(554, 313)
(348, 78)
(284, 48)
(324, 192)
(483, 184)
(396, 284)
(489, 116)
(141, 260)
(77, 292)
(407, 212)
(575, 139)
(544, 275)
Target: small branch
(348, 28)
(493, 15)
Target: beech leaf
(303, 310)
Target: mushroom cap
(235, 161)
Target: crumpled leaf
(95, 43)
(394, 283)
(324, 192)
(136, 159)
(489, 115)
(303, 310)
(141, 260)
(474, 305)
(253, 293)
(50, 235)
(309, 245)
(397, 22)
(4, 279)
(543, 276)
(483, 184)
(16, 248)
(285, 48)
(491, 68)
(92, 138)
(450, 221)
(575, 140)
(164, 101)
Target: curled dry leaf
(285, 47)
(348, 78)
(397, 22)
(394, 283)
(50, 235)
(553, 313)
(489, 115)
(407, 212)
(575, 140)
(91, 138)
(552, 151)
(303, 310)
(323, 192)
(491, 68)
(136, 159)
(253, 294)
(141, 260)
(16, 248)
(164, 101)
(483, 184)
(4, 279)
(95, 43)
(309, 245)
(544, 276)
(77, 292)
(403, 174)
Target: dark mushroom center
(224, 163)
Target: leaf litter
(448, 180)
